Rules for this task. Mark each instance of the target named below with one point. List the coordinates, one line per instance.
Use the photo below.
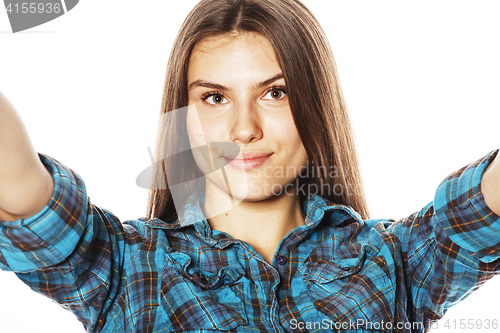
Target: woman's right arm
(51, 235)
(25, 184)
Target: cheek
(194, 129)
(293, 143)
(289, 135)
(197, 141)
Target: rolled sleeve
(463, 214)
(51, 235)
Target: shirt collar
(314, 207)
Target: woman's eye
(214, 99)
(276, 94)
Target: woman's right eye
(213, 98)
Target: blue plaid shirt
(336, 272)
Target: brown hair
(313, 88)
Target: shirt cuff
(463, 214)
(49, 236)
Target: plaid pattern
(149, 276)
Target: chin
(255, 197)
(251, 190)
(259, 194)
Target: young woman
(277, 238)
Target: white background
(421, 80)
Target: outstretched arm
(451, 246)
(51, 235)
(25, 185)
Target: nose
(246, 124)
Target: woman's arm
(72, 251)
(25, 185)
(490, 186)
(450, 247)
(51, 235)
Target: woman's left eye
(276, 93)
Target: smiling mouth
(247, 161)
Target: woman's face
(239, 106)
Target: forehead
(214, 43)
(235, 51)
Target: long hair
(314, 93)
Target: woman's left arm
(490, 186)
(451, 246)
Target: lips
(247, 160)
(247, 155)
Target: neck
(262, 224)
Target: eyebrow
(211, 85)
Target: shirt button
(281, 260)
